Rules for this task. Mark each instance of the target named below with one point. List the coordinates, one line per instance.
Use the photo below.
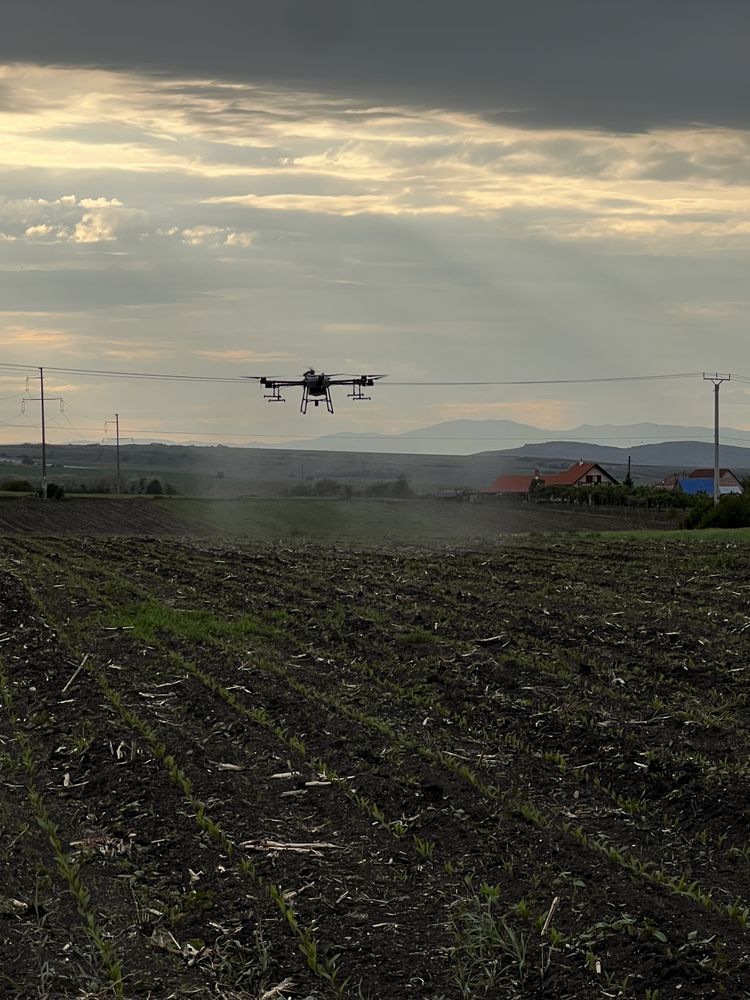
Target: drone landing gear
(316, 401)
(274, 396)
(357, 393)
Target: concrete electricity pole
(117, 446)
(41, 399)
(717, 379)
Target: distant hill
(678, 455)
(466, 437)
(220, 472)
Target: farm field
(300, 518)
(253, 770)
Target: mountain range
(603, 442)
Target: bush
(732, 511)
(17, 486)
(322, 488)
(399, 489)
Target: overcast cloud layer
(579, 63)
(434, 190)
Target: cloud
(239, 239)
(198, 234)
(303, 154)
(43, 232)
(21, 336)
(241, 355)
(106, 221)
(132, 350)
(69, 219)
(709, 311)
(735, 397)
(205, 223)
(205, 235)
(331, 204)
(368, 329)
(539, 64)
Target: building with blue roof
(694, 485)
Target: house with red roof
(513, 485)
(580, 474)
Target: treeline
(151, 486)
(397, 489)
(613, 496)
(732, 511)
(98, 484)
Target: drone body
(316, 387)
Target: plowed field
(318, 518)
(248, 771)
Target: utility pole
(117, 434)
(44, 437)
(41, 399)
(117, 450)
(717, 379)
(117, 447)
(118, 440)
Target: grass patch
(417, 636)
(151, 618)
(682, 535)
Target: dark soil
(421, 751)
(309, 518)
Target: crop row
(489, 723)
(401, 748)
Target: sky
(440, 191)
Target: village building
(580, 474)
(696, 482)
(693, 485)
(520, 485)
(726, 477)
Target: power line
(243, 379)
(103, 373)
(557, 381)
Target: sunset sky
(436, 190)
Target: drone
(316, 387)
